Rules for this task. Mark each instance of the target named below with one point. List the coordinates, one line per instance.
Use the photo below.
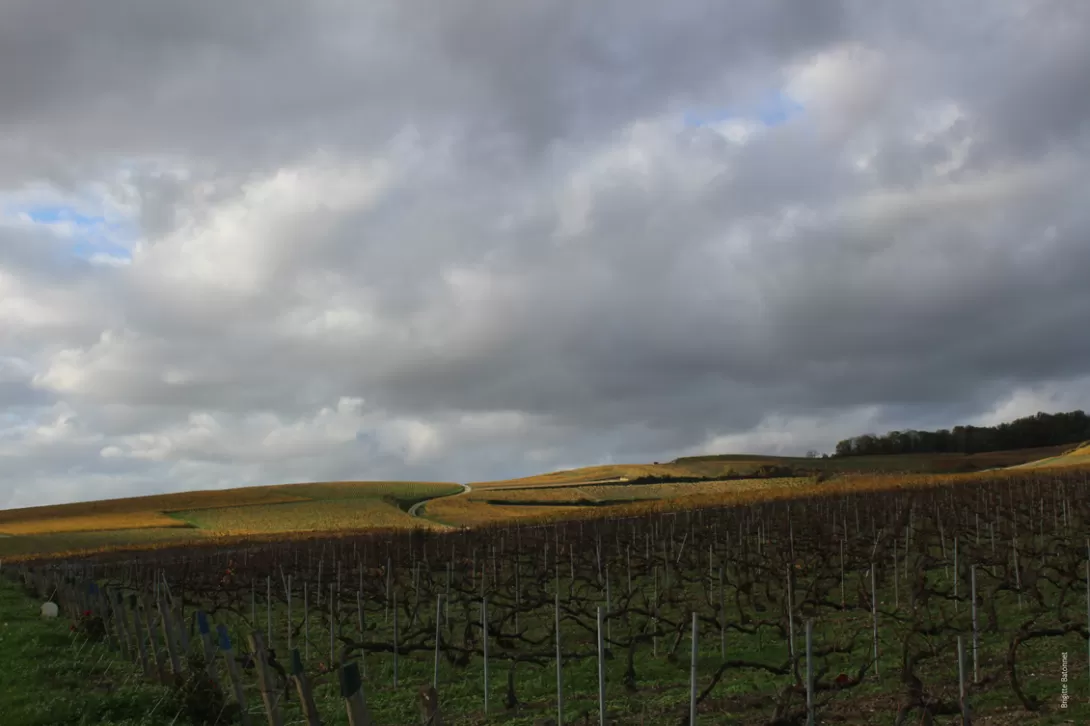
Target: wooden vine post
(233, 673)
(352, 693)
(269, 696)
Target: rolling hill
(727, 465)
(291, 510)
(287, 509)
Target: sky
(267, 241)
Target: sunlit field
(211, 515)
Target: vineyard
(941, 604)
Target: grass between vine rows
(51, 677)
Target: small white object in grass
(49, 610)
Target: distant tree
(811, 454)
(1043, 429)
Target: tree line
(1043, 429)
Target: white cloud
(246, 245)
(841, 88)
(22, 308)
(1029, 400)
(792, 435)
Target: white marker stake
(601, 673)
(692, 676)
(809, 673)
(976, 669)
(874, 616)
(559, 676)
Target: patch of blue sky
(54, 214)
(91, 235)
(776, 110)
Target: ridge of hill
(747, 465)
(352, 506)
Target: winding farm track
(414, 510)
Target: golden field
(90, 522)
(208, 515)
(462, 511)
(300, 510)
(496, 505)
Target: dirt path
(414, 510)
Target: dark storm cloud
(269, 78)
(481, 239)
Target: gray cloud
(488, 239)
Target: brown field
(154, 503)
(90, 523)
(901, 463)
(742, 464)
(1078, 456)
(217, 498)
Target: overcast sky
(260, 242)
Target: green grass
(49, 678)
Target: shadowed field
(311, 516)
(725, 465)
(1079, 456)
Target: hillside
(205, 515)
(725, 465)
(1078, 456)
(932, 463)
(302, 509)
(698, 479)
